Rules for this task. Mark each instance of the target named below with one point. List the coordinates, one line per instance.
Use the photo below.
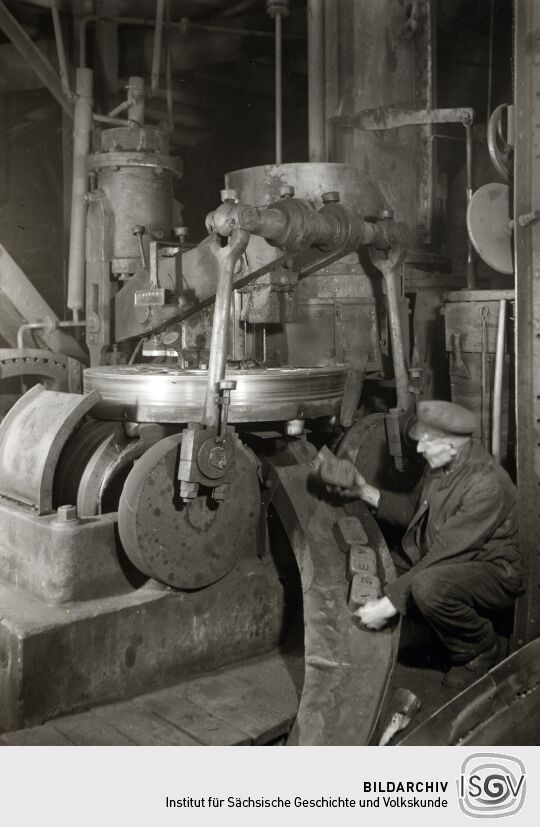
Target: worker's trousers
(456, 600)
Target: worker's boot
(459, 677)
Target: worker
(460, 546)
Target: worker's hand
(376, 613)
(361, 490)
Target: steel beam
(41, 66)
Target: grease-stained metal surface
(32, 436)
(347, 668)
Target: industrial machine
(142, 503)
(161, 516)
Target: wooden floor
(249, 703)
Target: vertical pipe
(279, 88)
(136, 100)
(498, 383)
(316, 80)
(81, 147)
(156, 55)
(471, 265)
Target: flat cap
(438, 418)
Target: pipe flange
(116, 160)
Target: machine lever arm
(228, 257)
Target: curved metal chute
(347, 668)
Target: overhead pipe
(316, 81)
(184, 25)
(82, 130)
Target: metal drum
(263, 185)
(152, 393)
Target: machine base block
(55, 660)
(248, 703)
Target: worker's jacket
(467, 511)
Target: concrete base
(58, 659)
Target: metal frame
(527, 269)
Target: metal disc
(488, 223)
(160, 393)
(186, 545)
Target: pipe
(498, 383)
(158, 34)
(316, 81)
(484, 313)
(279, 88)
(48, 326)
(34, 57)
(471, 264)
(60, 50)
(228, 256)
(82, 130)
(293, 224)
(135, 92)
(118, 109)
(183, 25)
(109, 120)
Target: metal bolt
(294, 427)
(286, 191)
(181, 234)
(230, 196)
(66, 513)
(330, 197)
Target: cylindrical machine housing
(334, 319)
(136, 173)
